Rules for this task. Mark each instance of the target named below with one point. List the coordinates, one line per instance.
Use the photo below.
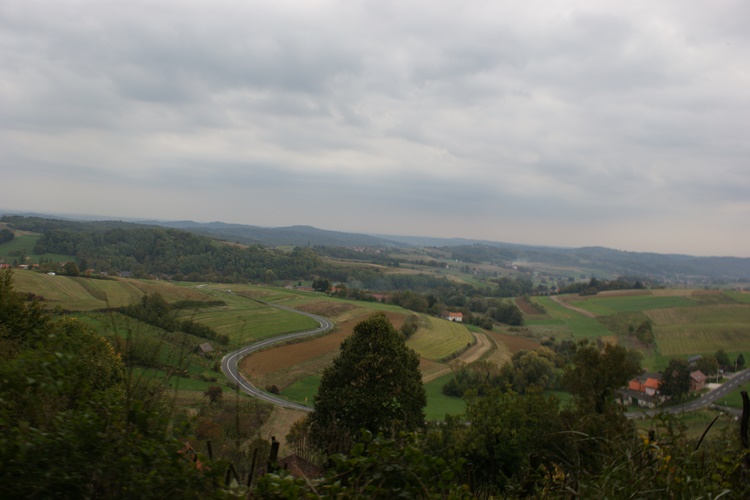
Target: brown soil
(514, 343)
(525, 306)
(278, 358)
(326, 308)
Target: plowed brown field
(278, 358)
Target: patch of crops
(603, 306)
(702, 339)
(704, 329)
(439, 338)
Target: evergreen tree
(373, 384)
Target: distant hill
(597, 259)
(280, 236)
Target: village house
(453, 316)
(697, 381)
(642, 391)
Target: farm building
(642, 391)
(204, 349)
(453, 316)
(697, 381)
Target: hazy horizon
(568, 124)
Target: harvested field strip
(513, 343)
(526, 307)
(439, 338)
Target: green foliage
(22, 323)
(666, 464)
(6, 235)
(509, 433)
(410, 326)
(374, 383)
(675, 380)
(597, 372)
(73, 424)
(722, 358)
(215, 394)
(505, 312)
(155, 311)
(376, 467)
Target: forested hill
(281, 236)
(145, 251)
(594, 259)
(113, 246)
(615, 262)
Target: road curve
(230, 362)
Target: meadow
(21, 247)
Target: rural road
(230, 362)
(704, 401)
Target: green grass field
(24, 244)
(246, 320)
(603, 306)
(575, 324)
(438, 404)
(76, 294)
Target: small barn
(204, 349)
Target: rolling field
(685, 322)
(77, 294)
(613, 304)
(247, 320)
(438, 338)
(702, 330)
(567, 323)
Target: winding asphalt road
(704, 401)
(230, 362)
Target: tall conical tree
(373, 384)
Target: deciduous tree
(374, 383)
(596, 373)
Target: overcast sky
(621, 124)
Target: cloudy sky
(621, 124)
